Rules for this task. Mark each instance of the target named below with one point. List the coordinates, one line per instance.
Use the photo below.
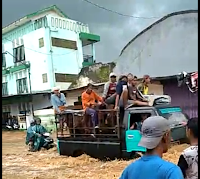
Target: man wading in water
(156, 139)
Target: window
(137, 118)
(23, 107)
(64, 43)
(3, 57)
(44, 78)
(4, 89)
(173, 114)
(88, 58)
(19, 54)
(6, 109)
(3, 60)
(66, 78)
(22, 86)
(41, 42)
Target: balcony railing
(87, 60)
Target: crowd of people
(156, 139)
(155, 130)
(116, 94)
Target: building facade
(42, 50)
(162, 50)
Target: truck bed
(95, 147)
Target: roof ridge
(157, 22)
(52, 7)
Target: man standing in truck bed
(58, 102)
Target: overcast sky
(115, 30)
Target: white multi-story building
(42, 50)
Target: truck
(115, 138)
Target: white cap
(57, 88)
(112, 74)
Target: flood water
(18, 163)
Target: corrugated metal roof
(49, 91)
(94, 84)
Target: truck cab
(132, 137)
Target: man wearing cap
(143, 87)
(58, 102)
(156, 139)
(109, 93)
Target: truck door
(133, 136)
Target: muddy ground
(18, 163)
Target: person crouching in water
(156, 139)
(109, 93)
(89, 98)
(34, 136)
(188, 161)
(58, 102)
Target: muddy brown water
(18, 163)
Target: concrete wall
(39, 101)
(70, 59)
(156, 89)
(38, 58)
(165, 49)
(66, 61)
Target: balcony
(16, 67)
(88, 60)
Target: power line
(41, 52)
(119, 13)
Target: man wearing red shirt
(109, 93)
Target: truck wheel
(77, 153)
(185, 140)
(135, 155)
